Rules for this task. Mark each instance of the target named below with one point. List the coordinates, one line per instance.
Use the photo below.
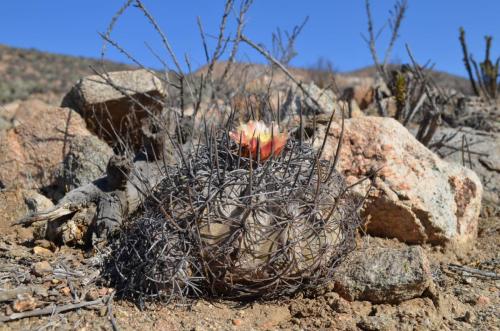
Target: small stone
(41, 291)
(44, 243)
(66, 291)
(38, 250)
(92, 295)
(483, 300)
(467, 280)
(55, 281)
(24, 302)
(8, 310)
(371, 274)
(237, 322)
(103, 311)
(42, 268)
(24, 234)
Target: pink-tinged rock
(32, 149)
(417, 197)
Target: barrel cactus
(239, 218)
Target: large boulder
(33, 147)
(114, 104)
(416, 196)
(384, 275)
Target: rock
(5, 124)
(85, 161)
(363, 94)
(377, 323)
(37, 202)
(92, 294)
(31, 151)
(475, 112)
(297, 101)
(113, 106)
(14, 205)
(66, 291)
(38, 250)
(42, 268)
(12, 208)
(9, 295)
(484, 158)
(417, 197)
(24, 302)
(384, 275)
(483, 300)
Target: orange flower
(257, 133)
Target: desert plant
(225, 225)
(484, 78)
(396, 16)
(283, 45)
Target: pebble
(42, 268)
(483, 300)
(39, 250)
(237, 322)
(92, 295)
(24, 302)
(66, 291)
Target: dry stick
(111, 25)
(371, 41)
(111, 316)
(474, 272)
(282, 67)
(219, 46)
(245, 6)
(66, 133)
(466, 60)
(203, 39)
(50, 310)
(400, 8)
(463, 150)
(468, 151)
(479, 78)
(163, 38)
(339, 145)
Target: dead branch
(282, 68)
(51, 310)
(472, 272)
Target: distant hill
(24, 72)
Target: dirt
(458, 302)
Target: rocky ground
(427, 256)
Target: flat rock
(384, 275)
(416, 196)
(115, 105)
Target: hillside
(24, 72)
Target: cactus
(228, 226)
(484, 78)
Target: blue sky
(333, 31)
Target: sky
(333, 32)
